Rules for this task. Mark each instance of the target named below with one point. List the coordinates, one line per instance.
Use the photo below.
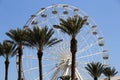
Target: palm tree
(7, 50)
(94, 69)
(109, 72)
(40, 39)
(18, 37)
(72, 27)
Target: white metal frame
(88, 49)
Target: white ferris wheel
(57, 59)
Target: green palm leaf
(71, 25)
(109, 72)
(41, 38)
(94, 69)
(8, 49)
(18, 36)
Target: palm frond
(53, 42)
(71, 25)
(41, 38)
(17, 35)
(8, 49)
(109, 72)
(94, 69)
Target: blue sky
(106, 13)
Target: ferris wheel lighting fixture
(43, 15)
(87, 23)
(33, 16)
(101, 41)
(100, 38)
(26, 26)
(106, 55)
(42, 8)
(76, 15)
(94, 32)
(54, 11)
(65, 12)
(94, 29)
(105, 50)
(65, 9)
(34, 22)
(86, 17)
(65, 6)
(101, 44)
(76, 10)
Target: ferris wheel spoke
(53, 64)
(90, 55)
(51, 70)
(84, 73)
(82, 63)
(55, 74)
(78, 74)
(50, 53)
(56, 51)
(85, 38)
(49, 25)
(30, 57)
(61, 47)
(48, 72)
(61, 70)
(87, 47)
(51, 59)
(31, 69)
(82, 68)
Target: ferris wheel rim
(58, 5)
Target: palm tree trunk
(6, 68)
(20, 62)
(108, 78)
(39, 54)
(95, 78)
(73, 51)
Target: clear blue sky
(106, 13)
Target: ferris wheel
(57, 59)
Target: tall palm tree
(72, 26)
(109, 72)
(18, 37)
(40, 39)
(7, 50)
(94, 69)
